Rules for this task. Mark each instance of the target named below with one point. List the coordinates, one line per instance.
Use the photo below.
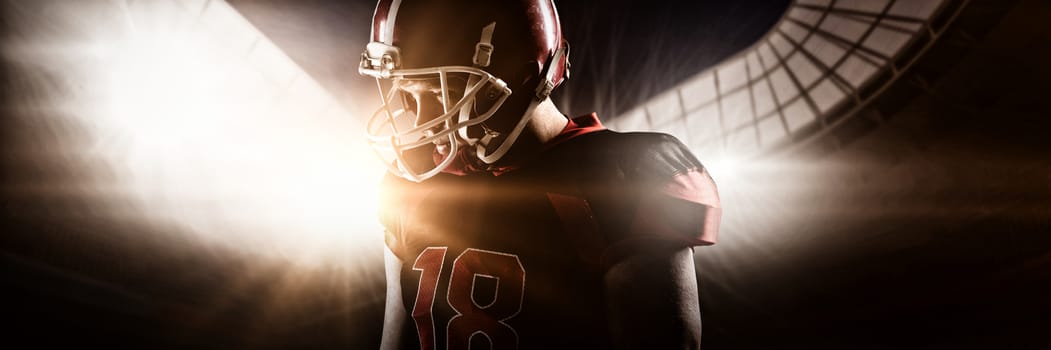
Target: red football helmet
(458, 78)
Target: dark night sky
(623, 51)
(632, 50)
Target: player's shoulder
(638, 155)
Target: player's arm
(395, 318)
(651, 281)
(652, 300)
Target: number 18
(471, 317)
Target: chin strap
(543, 90)
(510, 140)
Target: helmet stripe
(388, 25)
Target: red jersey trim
(698, 187)
(576, 127)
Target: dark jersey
(518, 260)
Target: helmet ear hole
(487, 97)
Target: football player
(509, 225)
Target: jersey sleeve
(684, 209)
(677, 199)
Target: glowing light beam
(212, 128)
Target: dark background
(623, 51)
(929, 227)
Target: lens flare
(233, 143)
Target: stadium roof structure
(819, 66)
